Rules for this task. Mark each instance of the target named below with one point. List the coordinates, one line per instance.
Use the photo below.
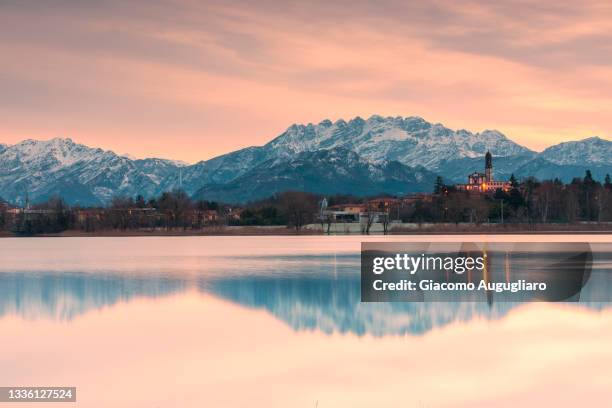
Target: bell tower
(488, 166)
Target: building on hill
(484, 182)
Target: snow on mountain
(593, 150)
(80, 174)
(159, 170)
(50, 154)
(381, 153)
(328, 171)
(129, 156)
(411, 141)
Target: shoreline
(310, 231)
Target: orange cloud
(190, 80)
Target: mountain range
(393, 155)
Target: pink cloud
(218, 76)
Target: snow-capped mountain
(593, 150)
(564, 161)
(569, 160)
(380, 154)
(412, 141)
(76, 172)
(328, 171)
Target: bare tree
(370, 215)
(384, 220)
(298, 207)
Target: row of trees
(530, 201)
(170, 210)
(51, 216)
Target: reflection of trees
(307, 294)
(66, 295)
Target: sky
(190, 80)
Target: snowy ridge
(384, 150)
(326, 171)
(79, 173)
(411, 140)
(592, 150)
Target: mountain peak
(411, 140)
(592, 150)
(62, 140)
(594, 139)
(375, 118)
(357, 120)
(492, 132)
(376, 149)
(47, 142)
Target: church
(484, 182)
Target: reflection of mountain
(66, 295)
(309, 298)
(333, 305)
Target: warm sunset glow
(191, 80)
(535, 352)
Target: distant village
(482, 200)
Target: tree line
(528, 201)
(173, 210)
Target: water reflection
(306, 292)
(201, 326)
(333, 305)
(63, 296)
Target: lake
(278, 322)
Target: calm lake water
(278, 322)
